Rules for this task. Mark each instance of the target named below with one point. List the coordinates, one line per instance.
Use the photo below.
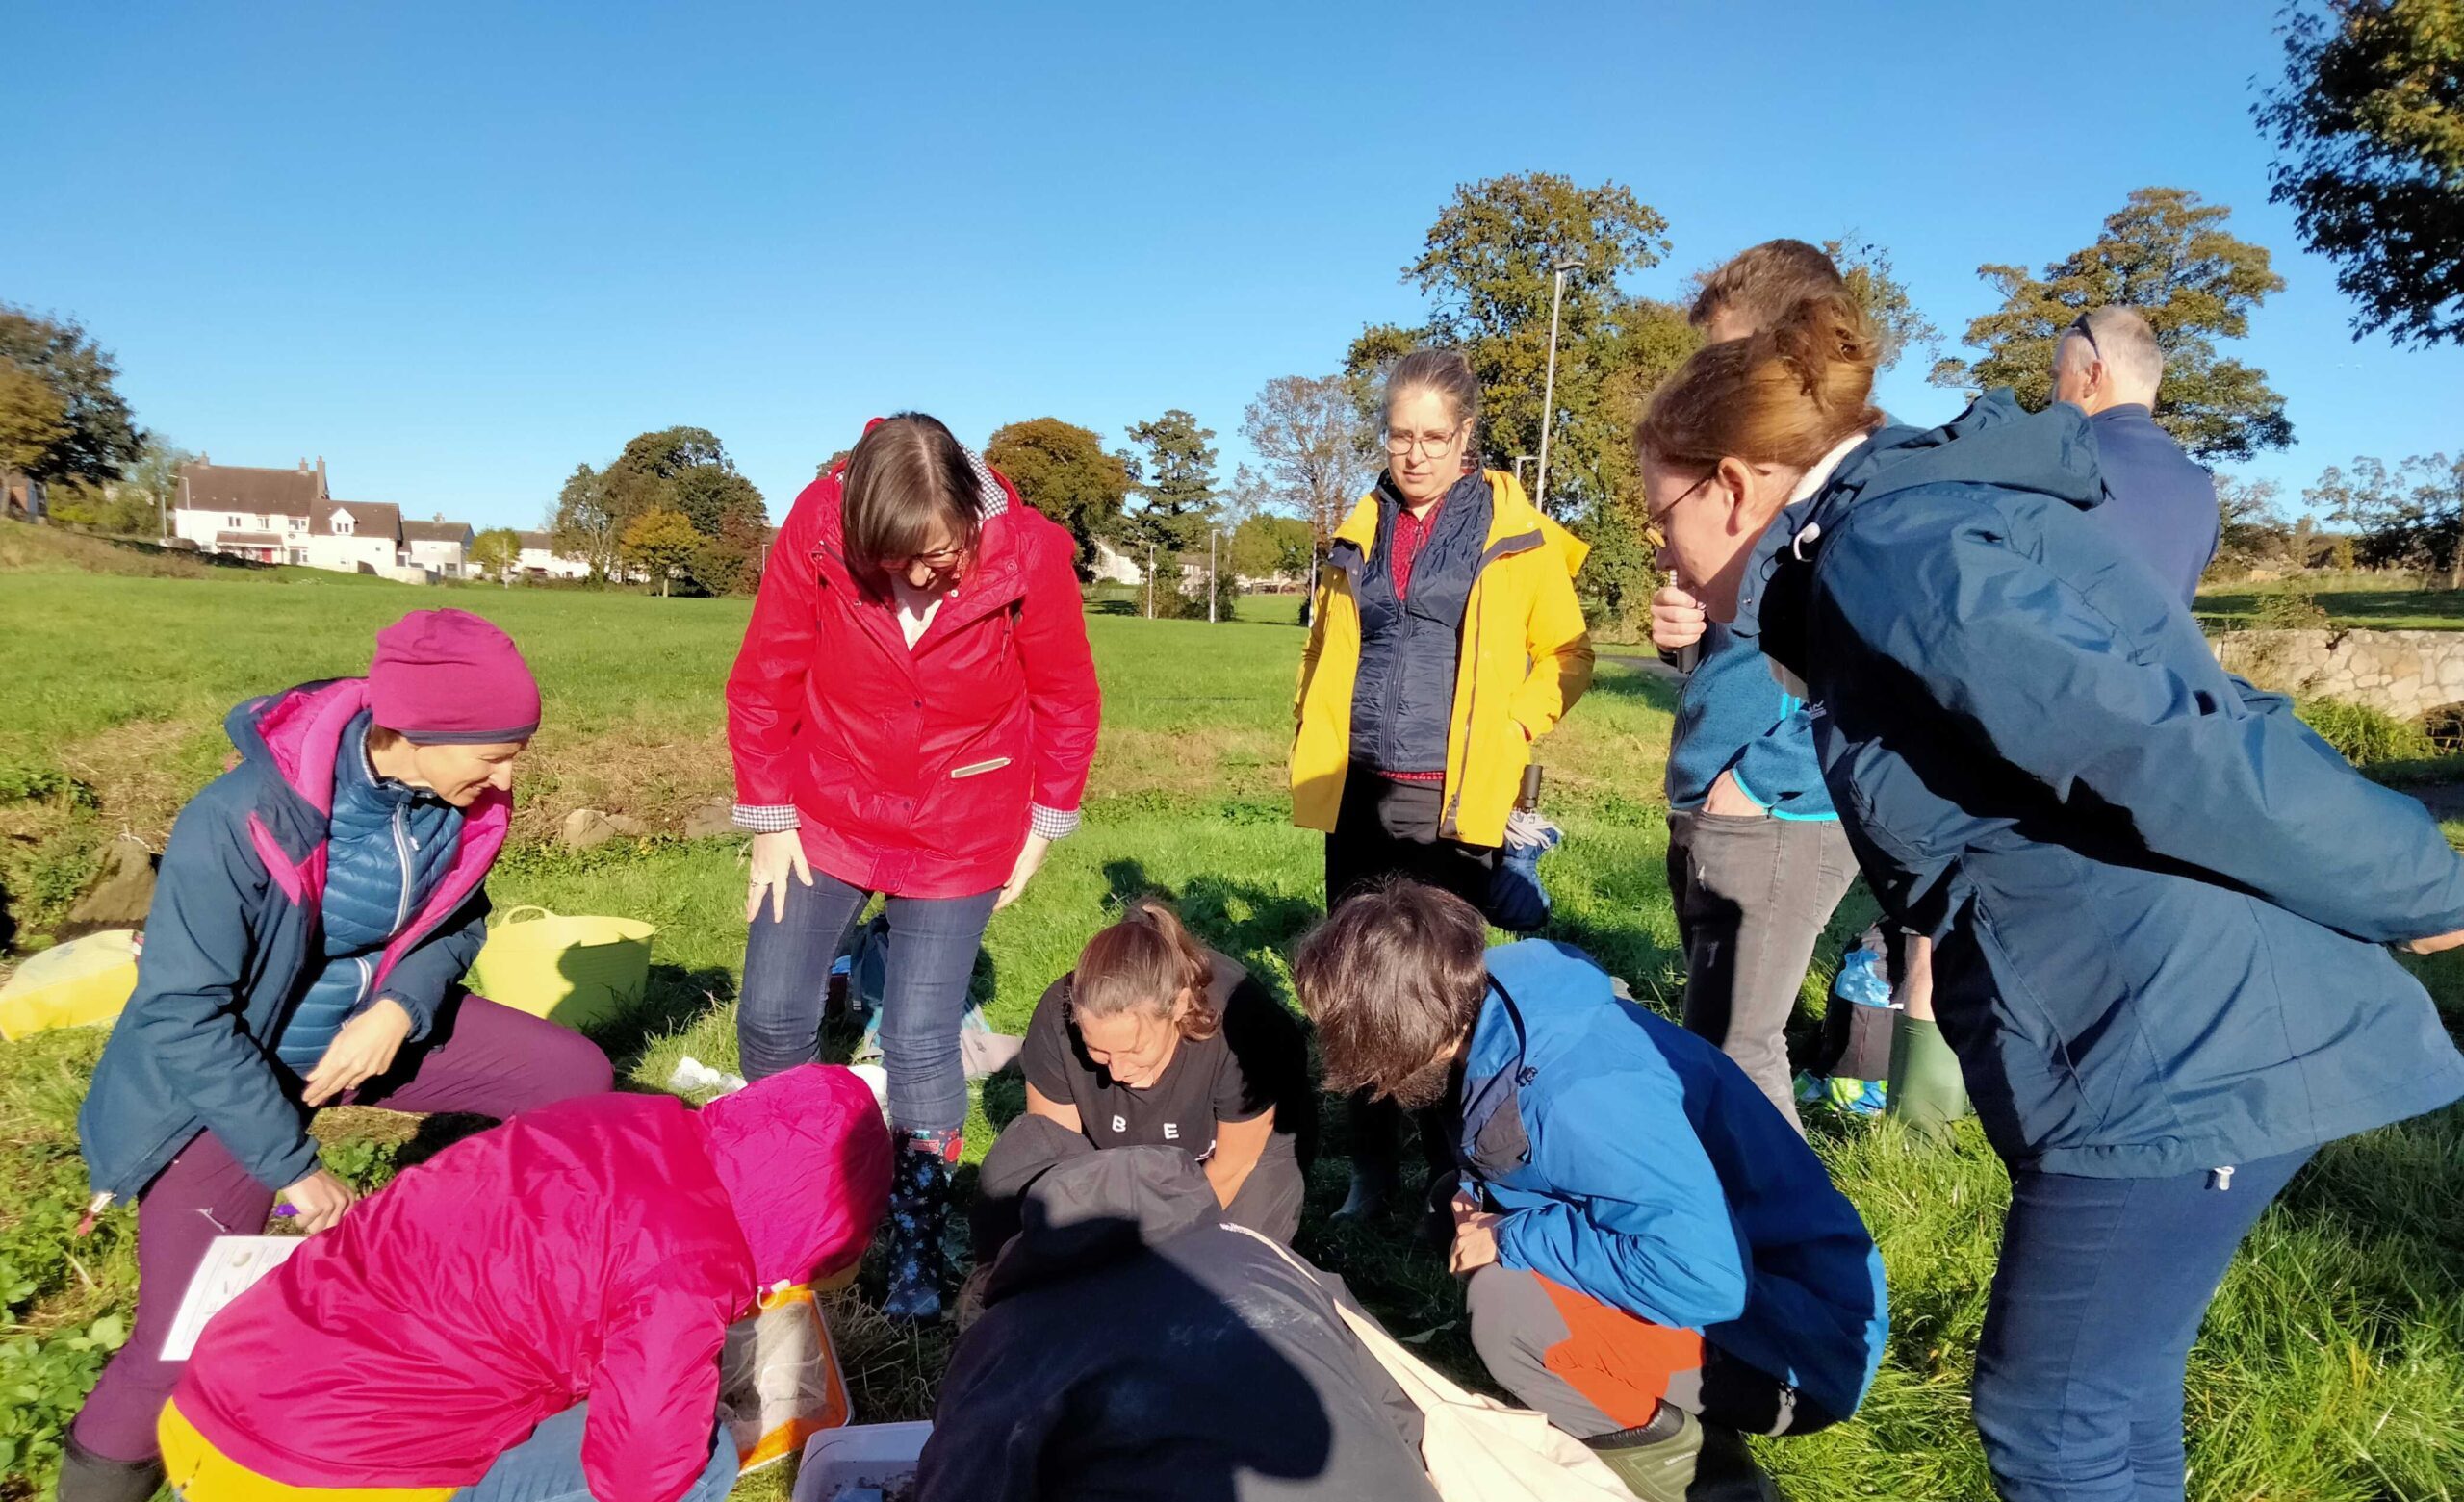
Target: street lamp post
(1211, 591)
(1549, 390)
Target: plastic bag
(778, 1379)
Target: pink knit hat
(446, 677)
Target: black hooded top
(1132, 1345)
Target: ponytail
(1786, 394)
(1143, 963)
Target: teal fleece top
(1734, 716)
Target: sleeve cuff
(767, 818)
(1053, 824)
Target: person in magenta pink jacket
(537, 1311)
(913, 713)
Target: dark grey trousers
(1752, 895)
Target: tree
(1062, 471)
(1175, 482)
(1318, 456)
(2250, 533)
(1865, 266)
(1262, 546)
(585, 523)
(2168, 255)
(136, 507)
(101, 440)
(2369, 128)
(659, 542)
(683, 469)
(1486, 265)
(2411, 517)
(496, 551)
(32, 418)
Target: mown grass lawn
(2333, 1367)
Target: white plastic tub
(861, 1455)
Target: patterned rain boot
(919, 1212)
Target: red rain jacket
(596, 1249)
(912, 770)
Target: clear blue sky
(457, 250)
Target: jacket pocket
(977, 769)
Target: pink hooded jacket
(596, 1249)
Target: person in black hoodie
(1133, 1345)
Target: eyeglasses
(1656, 518)
(2079, 326)
(938, 558)
(1401, 444)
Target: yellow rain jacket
(1525, 658)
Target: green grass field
(2333, 1367)
(2353, 601)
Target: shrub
(2289, 609)
(2364, 735)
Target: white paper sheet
(232, 1266)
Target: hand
(360, 1051)
(320, 1199)
(1728, 800)
(1476, 1242)
(2434, 943)
(1030, 857)
(1677, 618)
(775, 855)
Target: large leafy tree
(682, 469)
(96, 438)
(2411, 516)
(1062, 471)
(2168, 255)
(661, 543)
(1174, 478)
(1315, 453)
(2369, 127)
(1265, 544)
(496, 551)
(1488, 267)
(138, 505)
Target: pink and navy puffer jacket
(592, 1250)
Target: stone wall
(2405, 674)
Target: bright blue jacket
(1636, 1164)
(2160, 905)
(231, 946)
(1733, 716)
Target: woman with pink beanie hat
(316, 906)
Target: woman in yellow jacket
(1445, 640)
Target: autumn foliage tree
(2168, 255)
(659, 542)
(1063, 471)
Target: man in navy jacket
(2159, 505)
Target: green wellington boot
(1655, 1461)
(1926, 1091)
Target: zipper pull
(2220, 1178)
(93, 1212)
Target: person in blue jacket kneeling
(1655, 1256)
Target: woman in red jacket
(537, 1312)
(913, 713)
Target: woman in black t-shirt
(1156, 1039)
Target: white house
(540, 559)
(439, 545)
(250, 513)
(355, 537)
(1112, 565)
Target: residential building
(355, 537)
(439, 545)
(539, 559)
(250, 513)
(1112, 565)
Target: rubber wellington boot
(919, 1214)
(88, 1477)
(1926, 1091)
(1655, 1461)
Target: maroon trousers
(483, 1060)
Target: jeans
(547, 1466)
(1752, 894)
(933, 944)
(2095, 1303)
(483, 1059)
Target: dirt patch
(658, 774)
